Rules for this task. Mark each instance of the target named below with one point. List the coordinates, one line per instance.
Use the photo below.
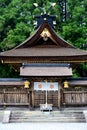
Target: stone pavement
(44, 126)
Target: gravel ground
(44, 126)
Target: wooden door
(40, 98)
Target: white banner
(50, 86)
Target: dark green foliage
(17, 21)
(4, 73)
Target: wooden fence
(74, 98)
(14, 98)
(35, 98)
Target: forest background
(17, 24)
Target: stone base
(46, 107)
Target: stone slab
(6, 116)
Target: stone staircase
(54, 116)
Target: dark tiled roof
(78, 81)
(33, 52)
(59, 49)
(45, 65)
(81, 82)
(45, 71)
(11, 81)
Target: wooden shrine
(45, 62)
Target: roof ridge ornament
(45, 34)
(45, 17)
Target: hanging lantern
(66, 84)
(26, 84)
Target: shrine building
(45, 62)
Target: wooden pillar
(31, 95)
(4, 98)
(59, 95)
(29, 98)
(83, 97)
(32, 98)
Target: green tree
(4, 71)
(17, 21)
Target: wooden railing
(74, 98)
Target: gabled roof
(46, 69)
(49, 47)
(36, 37)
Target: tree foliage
(4, 71)
(17, 21)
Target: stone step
(51, 114)
(45, 120)
(47, 116)
(37, 116)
